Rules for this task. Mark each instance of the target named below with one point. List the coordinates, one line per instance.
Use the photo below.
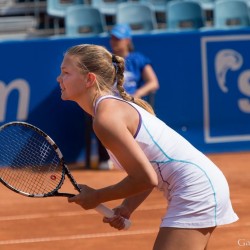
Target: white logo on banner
(23, 89)
(226, 60)
(244, 87)
(229, 59)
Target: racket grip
(109, 213)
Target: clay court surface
(53, 223)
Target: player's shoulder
(109, 110)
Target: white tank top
(176, 162)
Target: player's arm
(126, 209)
(151, 83)
(115, 130)
(115, 133)
(131, 203)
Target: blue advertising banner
(204, 87)
(226, 88)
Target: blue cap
(121, 31)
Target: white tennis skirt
(198, 200)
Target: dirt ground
(53, 223)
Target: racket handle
(109, 213)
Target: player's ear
(91, 79)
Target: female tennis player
(151, 153)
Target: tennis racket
(31, 164)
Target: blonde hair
(108, 68)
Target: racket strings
(28, 162)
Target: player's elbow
(154, 182)
(151, 181)
(144, 180)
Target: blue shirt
(135, 62)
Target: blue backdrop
(204, 87)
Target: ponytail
(119, 66)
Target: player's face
(71, 80)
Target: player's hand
(86, 199)
(121, 212)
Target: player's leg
(182, 239)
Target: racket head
(31, 163)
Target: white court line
(76, 237)
(65, 214)
(41, 216)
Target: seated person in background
(140, 78)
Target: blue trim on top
(175, 160)
(139, 124)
